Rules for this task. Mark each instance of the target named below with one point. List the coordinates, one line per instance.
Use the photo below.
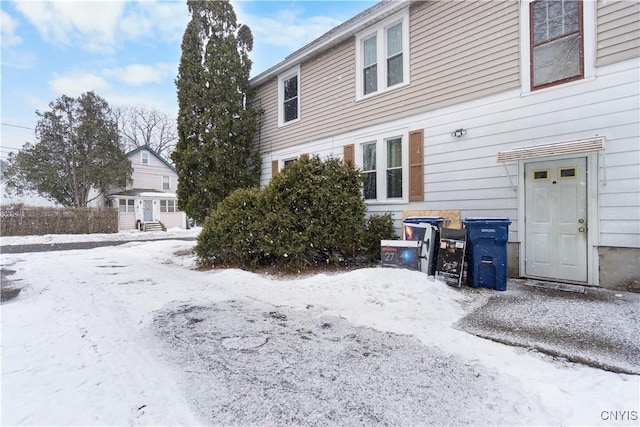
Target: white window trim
(287, 160)
(162, 182)
(381, 164)
(295, 71)
(173, 208)
(589, 40)
(142, 154)
(380, 31)
(129, 207)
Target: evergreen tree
(77, 151)
(216, 128)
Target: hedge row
(20, 220)
(311, 213)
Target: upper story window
(382, 56)
(558, 37)
(289, 97)
(144, 157)
(556, 41)
(383, 161)
(166, 183)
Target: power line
(16, 126)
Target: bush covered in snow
(311, 213)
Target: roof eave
(334, 36)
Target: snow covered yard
(132, 335)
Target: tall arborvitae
(216, 128)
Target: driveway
(596, 327)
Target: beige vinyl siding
(448, 66)
(618, 31)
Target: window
(539, 175)
(394, 55)
(558, 42)
(394, 168)
(289, 97)
(567, 173)
(382, 56)
(166, 183)
(369, 169)
(383, 161)
(144, 157)
(288, 162)
(168, 206)
(370, 64)
(126, 205)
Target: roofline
(334, 36)
(152, 151)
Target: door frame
(593, 232)
(152, 210)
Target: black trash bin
(487, 251)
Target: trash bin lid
(486, 219)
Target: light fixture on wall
(459, 132)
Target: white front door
(556, 219)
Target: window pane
(370, 190)
(291, 88)
(163, 205)
(394, 40)
(371, 79)
(369, 157)
(291, 109)
(557, 60)
(394, 70)
(554, 18)
(571, 16)
(370, 51)
(394, 153)
(394, 183)
(122, 205)
(539, 12)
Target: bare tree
(140, 126)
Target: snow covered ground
(133, 335)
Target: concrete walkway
(596, 327)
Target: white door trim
(593, 231)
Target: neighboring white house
(522, 109)
(151, 201)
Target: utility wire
(16, 126)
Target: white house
(528, 110)
(150, 203)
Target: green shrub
(378, 227)
(315, 213)
(231, 234)
(311, 213)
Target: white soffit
(592, 144)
